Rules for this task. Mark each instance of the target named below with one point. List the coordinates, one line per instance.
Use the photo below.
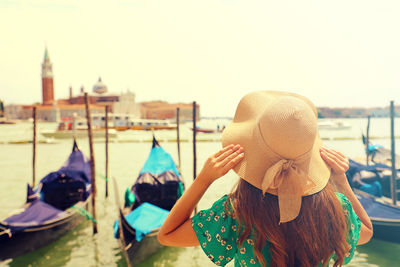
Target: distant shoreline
(327, 112)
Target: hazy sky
(337, 53)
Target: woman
(284, 210)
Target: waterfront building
(162, 110)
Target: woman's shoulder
(220, 208)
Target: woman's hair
(319, 230)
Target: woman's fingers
(227, 152)
(230, 157)
(233, 162)
(331, 163)
(336, 154)
(340, 154)
(221, 162)
(342, 160)
(216, 155)
(335, 161)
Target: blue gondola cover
(144, 219)
(159, 181)
(158, 162)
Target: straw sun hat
(279, 134)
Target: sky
(337, 53)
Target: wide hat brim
(258, 156)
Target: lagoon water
(126, 156)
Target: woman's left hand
(220, 163)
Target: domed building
(99, 87)
(99, 95)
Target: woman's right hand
(338, 163)
(218, 164)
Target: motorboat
(69, 128)
(333, 125)
(122, 122)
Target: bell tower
(47, 80)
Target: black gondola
(155, 192)
(385, 217)
(52, 209)
(372, 188)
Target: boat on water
(373, 179)
(385, 217)
(371, 185)
(208, 130)
(4, 121)
(76, 128)
(333, 125)
(204, 130)
(53, 208)
(147, 204)
(123, 122)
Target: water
(127, 155)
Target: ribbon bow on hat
(290, 183)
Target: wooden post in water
(194, 145)
(34, 148)
(92, 165)
(178, 138)
(367, 140)
(106, 124)
(194, 141)
(393, 182)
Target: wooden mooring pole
(194, 145)
(393, 180)
(34, 147)
(106, 122)
(92, 164)
(178, 141)
(367, 140)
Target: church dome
(99, 87)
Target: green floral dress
(218, 234)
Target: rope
(84, 213)
(99, 174)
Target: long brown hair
(319, 230)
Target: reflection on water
(380, 253)
(80, 247)
(56, 254)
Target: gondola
(372, 187)
(384, 216)
(204, 130)
(373, 179)
(53, 207)
(147, 203)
